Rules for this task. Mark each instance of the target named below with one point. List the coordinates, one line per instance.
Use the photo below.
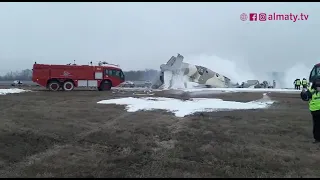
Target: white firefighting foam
(177, 81)
(182, 108)
(11, 91)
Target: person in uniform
(312, 95)
(304, 83)
(298, 83)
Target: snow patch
(11, 91)
(182, 108)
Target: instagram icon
(253, 16)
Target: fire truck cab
(68, 77)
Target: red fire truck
(67, 77)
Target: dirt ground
(67, 134)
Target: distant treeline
(26, 75)
(146, 75)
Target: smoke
(299, 70)
(239, 71)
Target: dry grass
(47, 134)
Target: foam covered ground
(182, 108)
(11, 91)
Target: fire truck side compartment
(92, 83)
(82, 83)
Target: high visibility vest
(298, 82)
(304, 82)
(314, 102)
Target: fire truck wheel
(54, 86)
(68, 86)
(106, 86)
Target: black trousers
(297, 87)
(305, 86)
(316, 124)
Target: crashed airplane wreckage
(177, 70)
(200, 75)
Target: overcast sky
(144, 35)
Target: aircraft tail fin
(174, 63)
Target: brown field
(67, 134)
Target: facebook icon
(253, 16)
